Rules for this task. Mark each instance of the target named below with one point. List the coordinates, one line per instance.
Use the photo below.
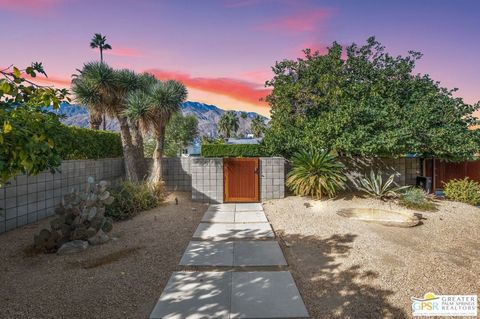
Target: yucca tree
(152, 109)
(257, 126)
(103, 90)
(316, 174)
(228, 124)
(100, 41)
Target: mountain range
(207, 115)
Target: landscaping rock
(72, 247)
(99, 238)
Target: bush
(463, 190)
(416, 198)
(375, 186)
(232, 150)
(316, 174)
(82, 143)
(133, 198)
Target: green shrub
(232, 150)
(82, 143)
(463, 190)
(376, 187)
(133, 198)
(316, 174)
(416, 198)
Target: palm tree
(152, 109)
(103, 91)
(257, 126)
(228, 124)
(99, 41)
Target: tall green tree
(152, 109)
(369, 103)
(257, 126)
(100, 87)
(228, 124)
(180, 132)
(28, 132)
(99, 42)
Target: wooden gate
(240, 180)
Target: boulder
(72, 247)
(99, 238)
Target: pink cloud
(56, 81)
(30, 5)
(238, 89)
(258, 76)
(299, 22)
(123, 52)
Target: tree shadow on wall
(330, 290)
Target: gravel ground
(120, 279)
(352, 269)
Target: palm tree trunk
(104, 122)
(129, 151)
(137, 141)
(101, 55)
(156, 175)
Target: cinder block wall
(207, 179)
(26, 199)
(272, 178)
(405, 169)
(177, 173)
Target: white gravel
(352, 269)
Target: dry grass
(120, 279)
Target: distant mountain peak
(208, 116)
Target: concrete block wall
(207, 179)
(177, 173)
(405, 169)
(27, 199)
(272, 178)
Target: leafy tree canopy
(27, 131)
(364, 101)
(180, 131)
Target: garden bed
(120, 279)
(347, 268)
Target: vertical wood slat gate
(241, 180)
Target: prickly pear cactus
(80, 216)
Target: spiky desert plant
(416, 198)
(375, 186)
(152, 109)
(103, 90)
(316, 174)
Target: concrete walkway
(233, 238)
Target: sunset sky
(223, 50)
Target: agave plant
(375, 186)
(316, 174)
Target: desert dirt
(120, 279)
(353, 269)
